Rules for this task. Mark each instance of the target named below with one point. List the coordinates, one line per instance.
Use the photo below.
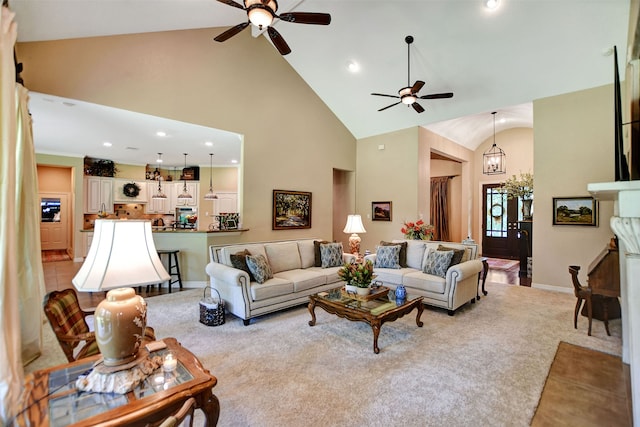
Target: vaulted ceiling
(492, 60)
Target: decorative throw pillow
(259, 268)
(437, 262)
(331, 255)
(457, 254)
(402, 258)
(316, 252)
(388, 256)
(239, 261)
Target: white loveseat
(295, 276)
(457, 287)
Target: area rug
(55, 255)
(502, 264)
(486, 365)
(586, 382)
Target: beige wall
(517, 144)
(389, 174)
(573, 147)
(292, 140)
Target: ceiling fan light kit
(261, 13)
(409, 95)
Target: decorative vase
(401, 294)
(526, 209)
(120, 321)
(363, 291)
(352, 289)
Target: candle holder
(169, 362)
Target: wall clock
(131, 190)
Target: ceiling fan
(261, 14)
(409, 95)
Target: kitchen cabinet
(87, 237)
(98, 194)
(192, 188)
(160, 206)
(134, 195)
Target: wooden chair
(68, 321)
(585, 293)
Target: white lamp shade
(122, 253)
(354, 225)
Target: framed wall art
(380, 211)
(291, 210)
(575, 211)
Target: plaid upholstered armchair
(68, 321)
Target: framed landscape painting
(380, 211)
(575, 211)
(291, 210)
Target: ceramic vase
(401, 294)
(120, 320)
(526, 208)
(352, 289)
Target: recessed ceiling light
(491, 4)
(161, 133)
(234, 161)
(353, 66)
(208, 143)
(107, 144)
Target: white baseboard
(562, 289)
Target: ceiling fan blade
(278, 41)
(306, 17)
(437, 95)
(382, 94)
(417, 86)
(232, 3)
(417, 107)
(389, 106)
(231, 32)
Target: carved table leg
(485, 271)
(420, 310)
(376, 332)
(210, 405)
(312, 308)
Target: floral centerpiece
(359, 275)
(417, 230)
(518, 187)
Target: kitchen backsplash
(128, 211)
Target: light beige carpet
(485, 366)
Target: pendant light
(185, 194)
(160, 194)
(210, 195)
(494, 159)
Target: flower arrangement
(357, 274)
(521, 187)
(417, 230)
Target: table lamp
(354, 226)
(122, 254)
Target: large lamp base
(354, 244)
(120, 322)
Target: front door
(54, 221)
(499, 223)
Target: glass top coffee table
(374, 309)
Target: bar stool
(173, 266)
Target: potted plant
(417, 230)
(520, 188)
(358, 277)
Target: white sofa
(295, 276)
(459, 286)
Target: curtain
(21, 275)
(439, 209)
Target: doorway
(499, 223)
(54, 221)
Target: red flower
(419, 222)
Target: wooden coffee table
(375, 312)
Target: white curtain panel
(21, 278)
